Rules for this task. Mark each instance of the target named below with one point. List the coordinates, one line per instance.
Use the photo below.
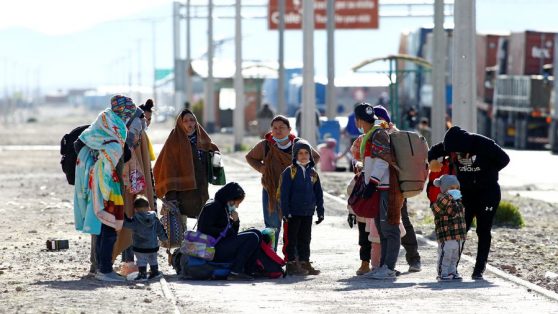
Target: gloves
(370, 189)
(320, 219)
(351, 220)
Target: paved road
(337, 289)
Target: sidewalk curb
(168, 294)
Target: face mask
(456, 194)
(361, 130)
(231, 208)
(279, 140)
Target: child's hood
(146, 218)
(302, 144)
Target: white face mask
(456, 194)
(231, 208)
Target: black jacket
(215, 216)
(485, 158)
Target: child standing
(300, 194)
(146, 228)
(451, 231)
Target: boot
(308, 267)
(364, 268)
(294, 269)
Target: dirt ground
(36, 205)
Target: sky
(81, 43)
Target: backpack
(69, 155)
(410, 152)
(268, 263)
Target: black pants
(365, 244)
(240, 249)
(483, 205)
(409, 241)
(104, 245)
(299, 235)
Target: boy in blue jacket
(300, 194)
(146, 228)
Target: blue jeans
(104, 245)
(390, 236)
(271, 220)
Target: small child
(300, 195)
(451, 231)
(328, 157)
(146, 228)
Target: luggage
(410, 152)
(268, 263)
(69, 155)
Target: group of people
(116, 192)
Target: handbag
(215, 170)
(363, 207)
(201, 245)
(172, 223)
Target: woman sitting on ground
(219, 218)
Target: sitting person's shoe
(294, 269)
(308, 266)
(415, 267)
(141, 276)
(239, 276)
(364, 268)
(109, 277)
(383, 273)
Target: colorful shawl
(98, 193)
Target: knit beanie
(365, 112)
(445, 181)
(382, 113)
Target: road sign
(349, 14)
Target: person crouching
(146, 227)
(300, 194)
(451, 230)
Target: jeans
(409, 241)
(93, 254)
(390, 239)
(298, 238)
(271, 220)
(104, 246)
(241, 249)
(146, 258)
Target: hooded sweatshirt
(300, 192)
(477, 158)
(146, 228)
(215, 218)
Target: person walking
(264, 116)
(477, 161)
(270, 157)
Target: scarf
(174, 168)
(98, 192)
(275, 162)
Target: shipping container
(529, 51)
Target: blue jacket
(146, 228)
(300, 191)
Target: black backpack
(69, 155)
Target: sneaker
(239, 276)
(155, 275)
(477, 276)
(383, 273)
(457, 276)
(445, 278)
(415, 267)
(311, 270)
(109, 277)
(141, 277)
(364, 268)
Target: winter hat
(445, 181)
(123, 106)
(382, 113)
(365, 112)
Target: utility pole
(189, 88)
(209, 108)
(438, 114)
(308, 118)
(464, 67)
(330, 100)
(154, 56)
(179, 70)
(238, 113)
(281, 74)
(138, 92)
(553, 132)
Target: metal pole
(438, 112)
(330, 100)
(178, 65)
(153, 55)
(189, 89)
(238, 113)
(138, 92)
(281, 73)
(308, 119)
(209, 108)
(553, 131)
(464, 67)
